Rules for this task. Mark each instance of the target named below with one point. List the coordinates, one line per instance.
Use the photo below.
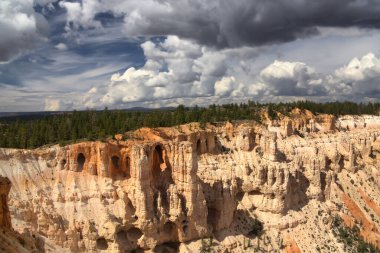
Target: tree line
(98, 125)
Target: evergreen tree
(24, 132)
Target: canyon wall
(5, 216)
(165, 189)
(10, 240)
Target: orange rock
(180, 184)
(5, 217)
(292, 247)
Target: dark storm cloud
(245, 22)
(21, 26)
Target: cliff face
(167, 188)
(10, 240)
(5, 216)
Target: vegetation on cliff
(98, 125)
(351, 237)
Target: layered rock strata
(10, 240)
(166, 188)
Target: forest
(69, 127)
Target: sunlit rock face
(155, 188)
(10, 240)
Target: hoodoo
(287, 185)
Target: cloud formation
(192, 52)
(180, 70)
(21, 27)
(292, 79)
(360, 77)
(226, 23)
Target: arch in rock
(157, 161)
(162, 175)
(81, 160)
(159, 152)
(101, 243)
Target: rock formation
(169, 189)
(5, 216)
(10, 240)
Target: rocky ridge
(10, 240)
(170, 189)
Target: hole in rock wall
(170, 230)
(183, 204)
(101, 243)
(128, 167)
(134, 234)
(328, 163)
(63, 164)
(199, 151)
(115, 162)
(213, 217)
(80, 161)
(161, 176)
(159, 153)
(121, 237)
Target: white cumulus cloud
(182, 71)
(174, 68)
(292, 79)
(359, 77)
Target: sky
(60, 55)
